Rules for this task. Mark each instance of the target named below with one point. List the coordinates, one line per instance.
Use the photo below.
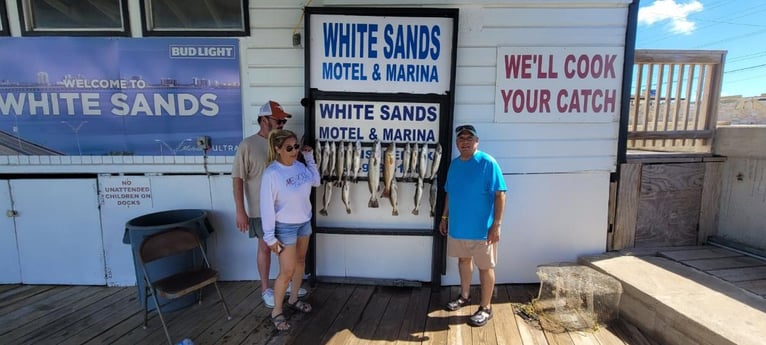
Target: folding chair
(170, 243)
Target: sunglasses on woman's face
(289, 148)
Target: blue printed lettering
(408, 113)
(346, 111)
(408, 134)
(340, 133)
(343, 71)
(350, 40)
(413, 73)
(413, 42)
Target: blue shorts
(288, 233)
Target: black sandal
(480, 317)
(458, 303)
(280, 323)
(299, 306)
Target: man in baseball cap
(273, 109)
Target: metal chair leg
(146, 307)
(220, 295)
(162, 319)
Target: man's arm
(243, 223)
(494, 231)
(445, 216)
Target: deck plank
(459, 332)
(724, 263)
(370, 319)
(413, 326)
(698, 253)
(69, 312)
(583, 338)
(531, 333)
(340, 330)
(606, 336)
(239, 309)
(741, 274)
(437, 322)
(35, 308)
(506, 330)
(25, 294)
(393, 317)
(101, 320)
(314, 326)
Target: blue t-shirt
(471, 187)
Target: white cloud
(674, 12)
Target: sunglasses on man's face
(279, 122)
(289, 148)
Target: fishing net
(574, 297)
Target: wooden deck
(343, 314)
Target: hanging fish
(345, 193)
(349, 160)
(318, 155)
(432, 196)
(418, 196)
(357, 161)
(437, 160)
(331, 160)
(414, 160)
(340, 161)
(406, 160)
(326, 198)
(394, 197)
(423, 162)
(373, 174)
(389, 168)
(325, 159)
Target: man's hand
(443, 227)
(243, 222)
(494, 234)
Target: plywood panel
(668, 218)
(669, 204)
(711, 195)
(627, 206)
(565, 17)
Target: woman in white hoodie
(286, 216)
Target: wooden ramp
(343, 314)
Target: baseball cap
(468, 128)
(272, 108)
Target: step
(679, 305)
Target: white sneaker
(301, 291)
(268, 297)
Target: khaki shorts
(256, 228)
(484, 255)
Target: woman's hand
(276, 247)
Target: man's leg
(487, 279)
(465, 266)
(264, 263)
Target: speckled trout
(373, 174)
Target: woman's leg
(287, 269)
(301, 248)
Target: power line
(745, 68)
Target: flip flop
(280, 323)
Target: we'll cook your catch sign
(565, 81)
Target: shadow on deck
(343, 314)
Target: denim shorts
(288, 233)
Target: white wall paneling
(10, 271)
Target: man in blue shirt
(473, 213)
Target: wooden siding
(275, 70)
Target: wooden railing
(674, 100)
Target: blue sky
(737, 26)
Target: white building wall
(557, 170)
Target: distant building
(738, 110)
